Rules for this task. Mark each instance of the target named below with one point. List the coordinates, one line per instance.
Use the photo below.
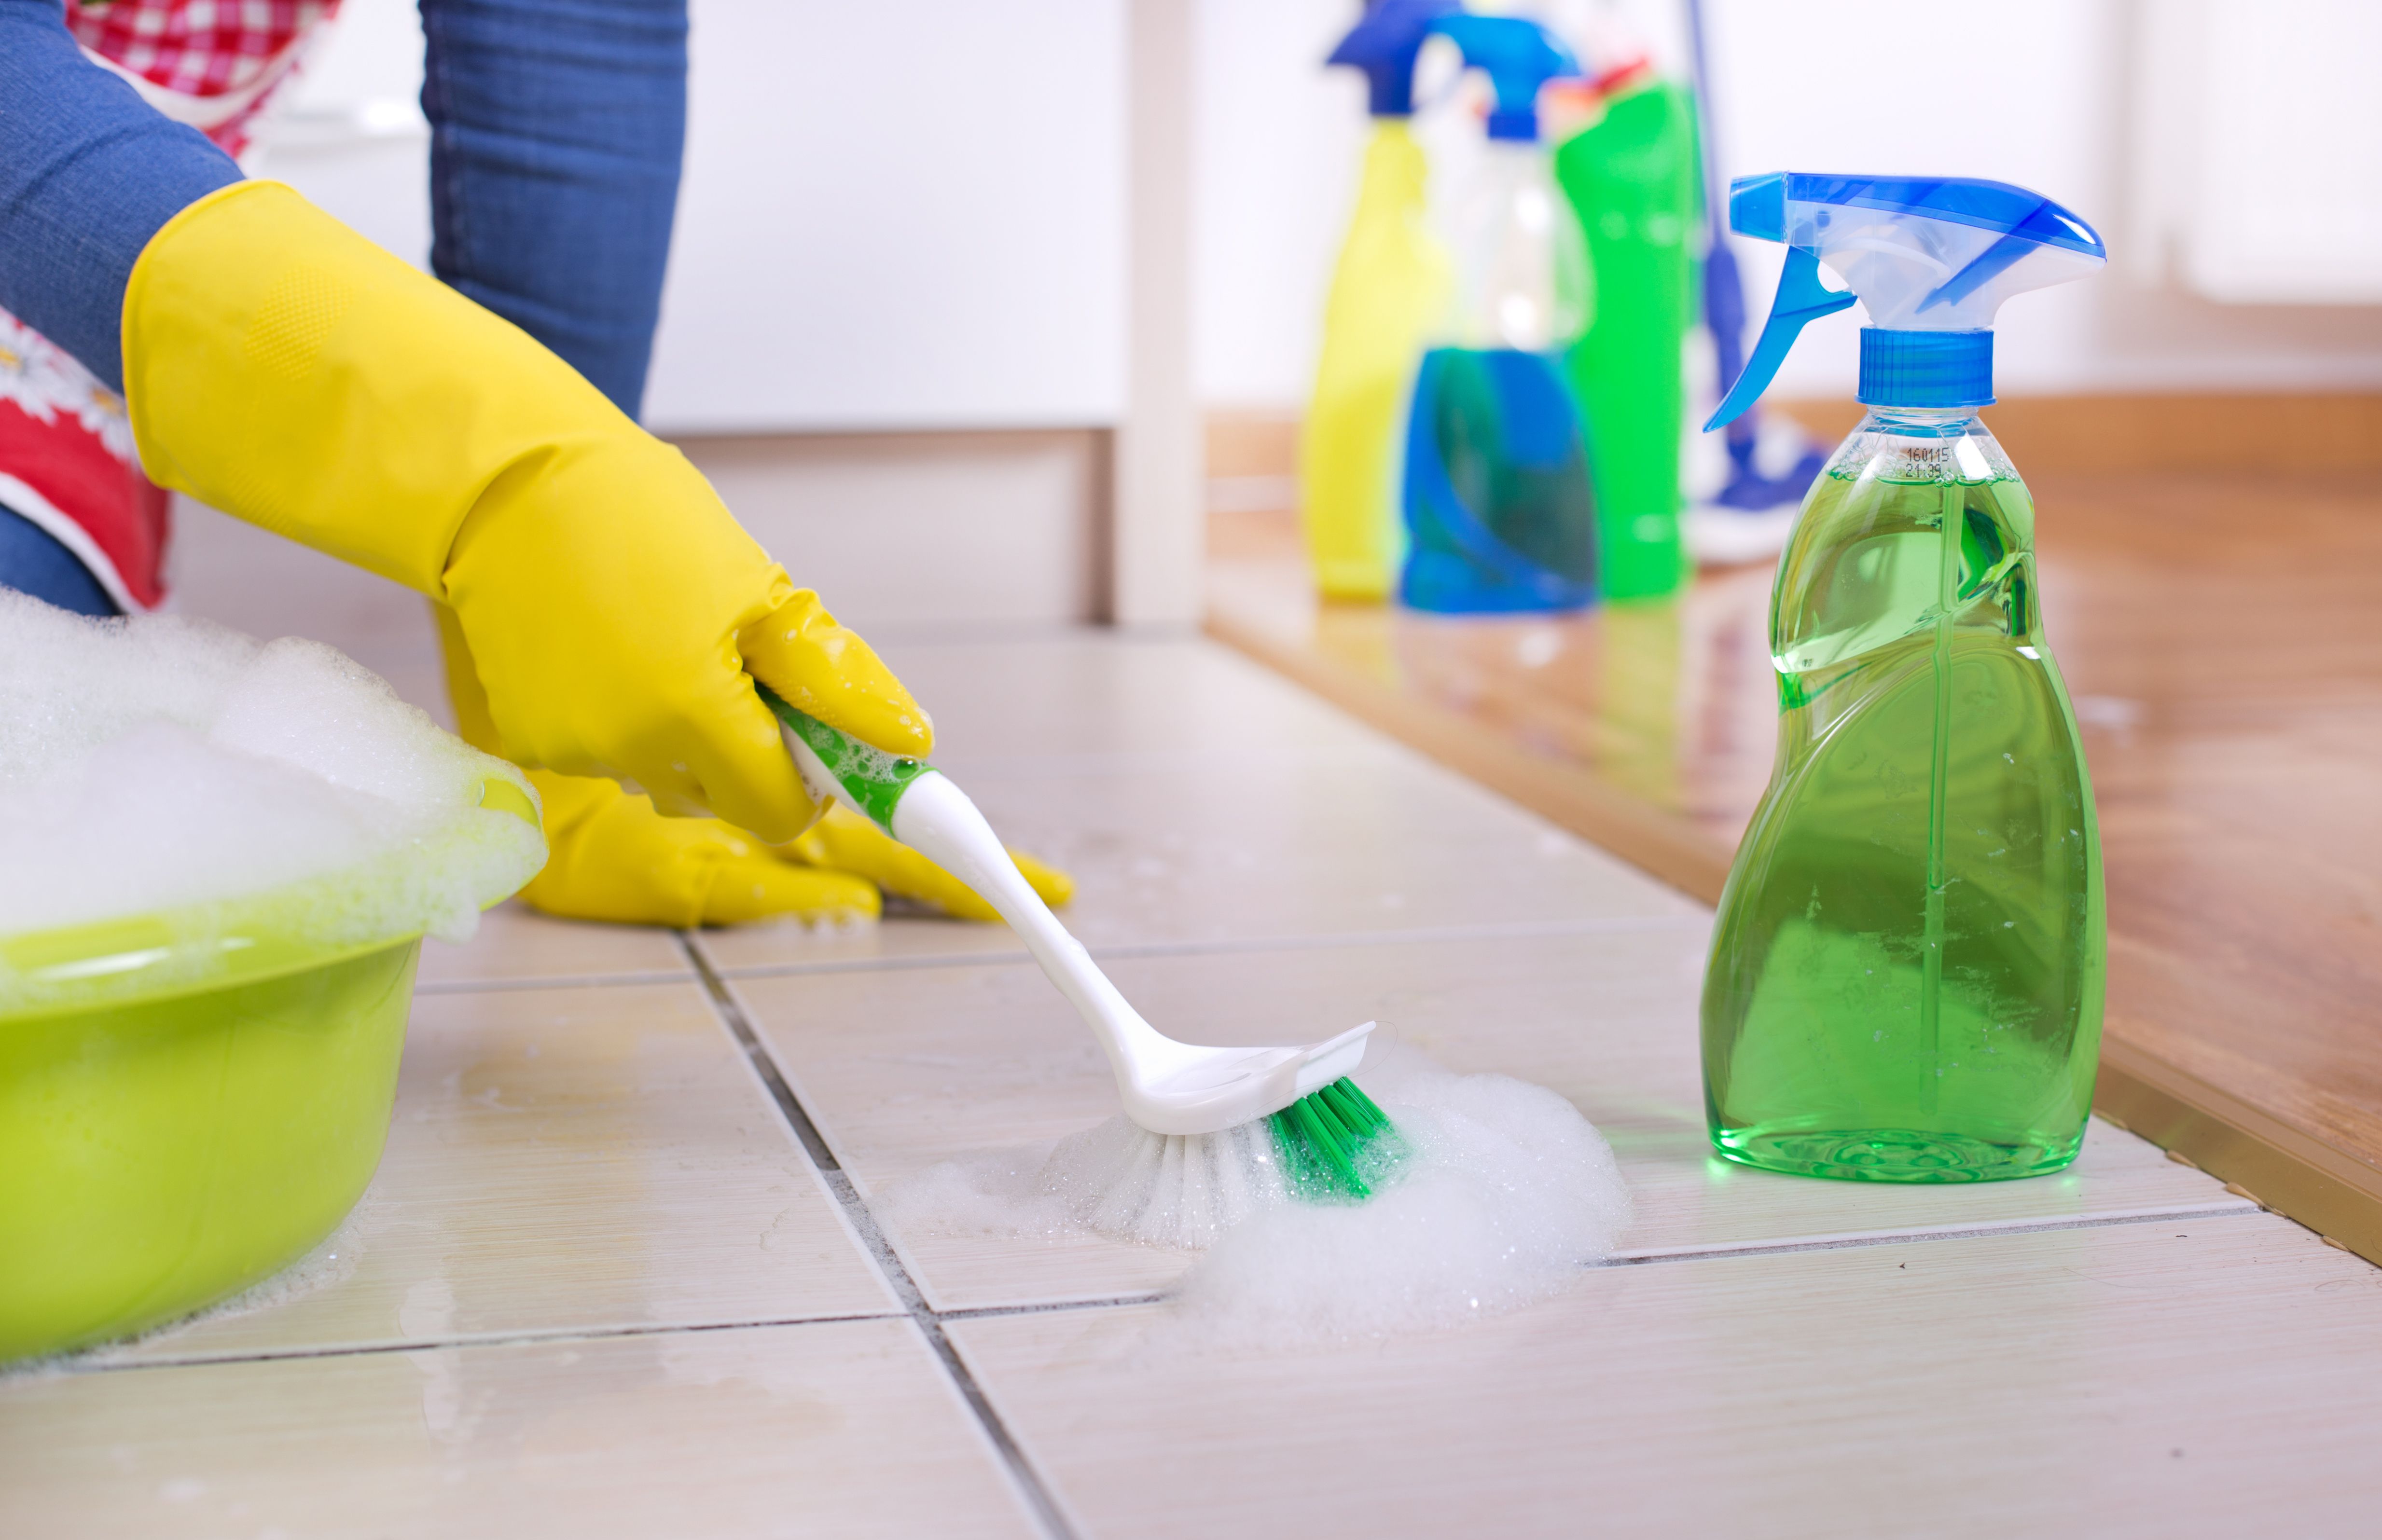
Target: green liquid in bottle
(1907, 972)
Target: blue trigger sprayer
(1499, 510)
(1905, 975)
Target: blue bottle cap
(1926, 369)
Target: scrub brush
(1333, 1141)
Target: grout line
(973, 634)
(1121, 763)
(1939, 1233)
(1716, 1253)
(559, 981)
(1515, 930)
(915, 1305)
(1520, 930)
(1040, 1502)
(1050, 1307)
(489, 1339)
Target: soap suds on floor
(159, 766)
(1507, 1193)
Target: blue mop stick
(1724, 310)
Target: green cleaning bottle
(1906, 969)
(1388, 286)
(1631, 177)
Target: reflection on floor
(620, 1272)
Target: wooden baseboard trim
(2337, 1195)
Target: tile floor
(619, 1274)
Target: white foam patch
(158, 765)
(1506, 1194)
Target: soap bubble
(161, 767)
(1506, 1193)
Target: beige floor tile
(906, 1066)
(787, 946)
(565, 1159)
(1070, 696)
(515, 945)
(839, 1429)
(2216, 1377)
(1367, 841)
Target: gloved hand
(287, 371)
(612, 857)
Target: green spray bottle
(1631, 177)
(1389, 286)
(1907, 968)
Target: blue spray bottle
(1499, 512)
(1907, 971)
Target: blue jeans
(32, 561)
(556, 125)
(556, 131)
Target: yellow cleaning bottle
(1390, 284)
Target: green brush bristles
(1332, 1140)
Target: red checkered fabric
(212, 63)
(196, 47)
(67, 457)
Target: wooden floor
(2222, 634)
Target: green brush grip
(871, 779)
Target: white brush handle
(936, 819)
(1167, 1087)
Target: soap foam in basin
(1507, 1193)
(164, 766)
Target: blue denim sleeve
(88, 173)
(556, 131)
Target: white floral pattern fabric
(43, 381)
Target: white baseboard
(927, 529)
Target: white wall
(940, 243)
(1279, 137)
(350, 133)
(909, 219)
(905, 218)
(2258, 131)
(2049, 93)
(2019, 91)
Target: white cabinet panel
(903, 217)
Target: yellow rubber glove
(287, 371)
(614, 858)
(844, 841)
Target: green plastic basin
(173, 1144)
